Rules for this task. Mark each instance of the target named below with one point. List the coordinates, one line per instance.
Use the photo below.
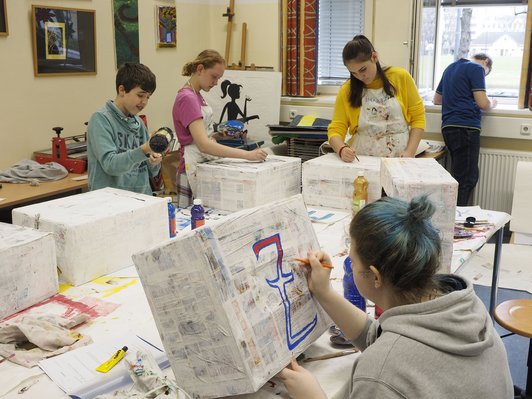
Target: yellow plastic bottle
(360, 192)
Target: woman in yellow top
(380, 107)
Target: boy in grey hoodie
(434, 339)
(118, 151)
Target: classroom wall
(30, 106)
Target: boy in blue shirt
(462, 94)
(118, 151)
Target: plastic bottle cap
(168, 199)
(197, 201)
(360, 173)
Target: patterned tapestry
(299, 47)
(126, 20)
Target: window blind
(339, 22)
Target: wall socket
(526, 129)
(292, 113)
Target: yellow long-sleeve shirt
(345, 117)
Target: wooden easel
(230, 13)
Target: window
(450, 32)
(339, 22)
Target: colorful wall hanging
(126, 20)
(166, 26)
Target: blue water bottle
(350, 289)
(171, 217)
(197, 214)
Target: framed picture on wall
(166, 26)
(3, 18)
(64, 41)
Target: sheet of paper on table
(75, 371)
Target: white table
(463, 251)
(134, 315)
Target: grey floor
(516, 345)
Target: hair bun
(420, 208)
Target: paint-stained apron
(382, 130)
(193, 156)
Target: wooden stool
(516, 316)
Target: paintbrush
(306, 262)
(330, 355)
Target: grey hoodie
(443, 348)
(115, 158)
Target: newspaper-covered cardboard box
(232, 184)
(27, 266)
(407, 178)
(328, 181)
(231, 304)
(97, 232)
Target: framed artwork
(166, 26)
(126, 24)
(64, 41)
(3, 18)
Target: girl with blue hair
(434, 339)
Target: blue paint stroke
(293, 339)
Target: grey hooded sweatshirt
(443, 348)
(115, 158)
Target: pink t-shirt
(187, 109)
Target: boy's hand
(155, 158)
(300, 383)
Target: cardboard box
(406, 178)
(27, 266)
(328, 181)
(232, 184)
(231, 304)
(97, 232)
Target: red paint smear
(89, 306)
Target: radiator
(495, 186)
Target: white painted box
(328, 181)
(27, 267)
(231, 304)
(97, 232)
(232, 184)
(406, 178)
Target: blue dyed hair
(400, 241)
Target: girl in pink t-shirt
(193, 123)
